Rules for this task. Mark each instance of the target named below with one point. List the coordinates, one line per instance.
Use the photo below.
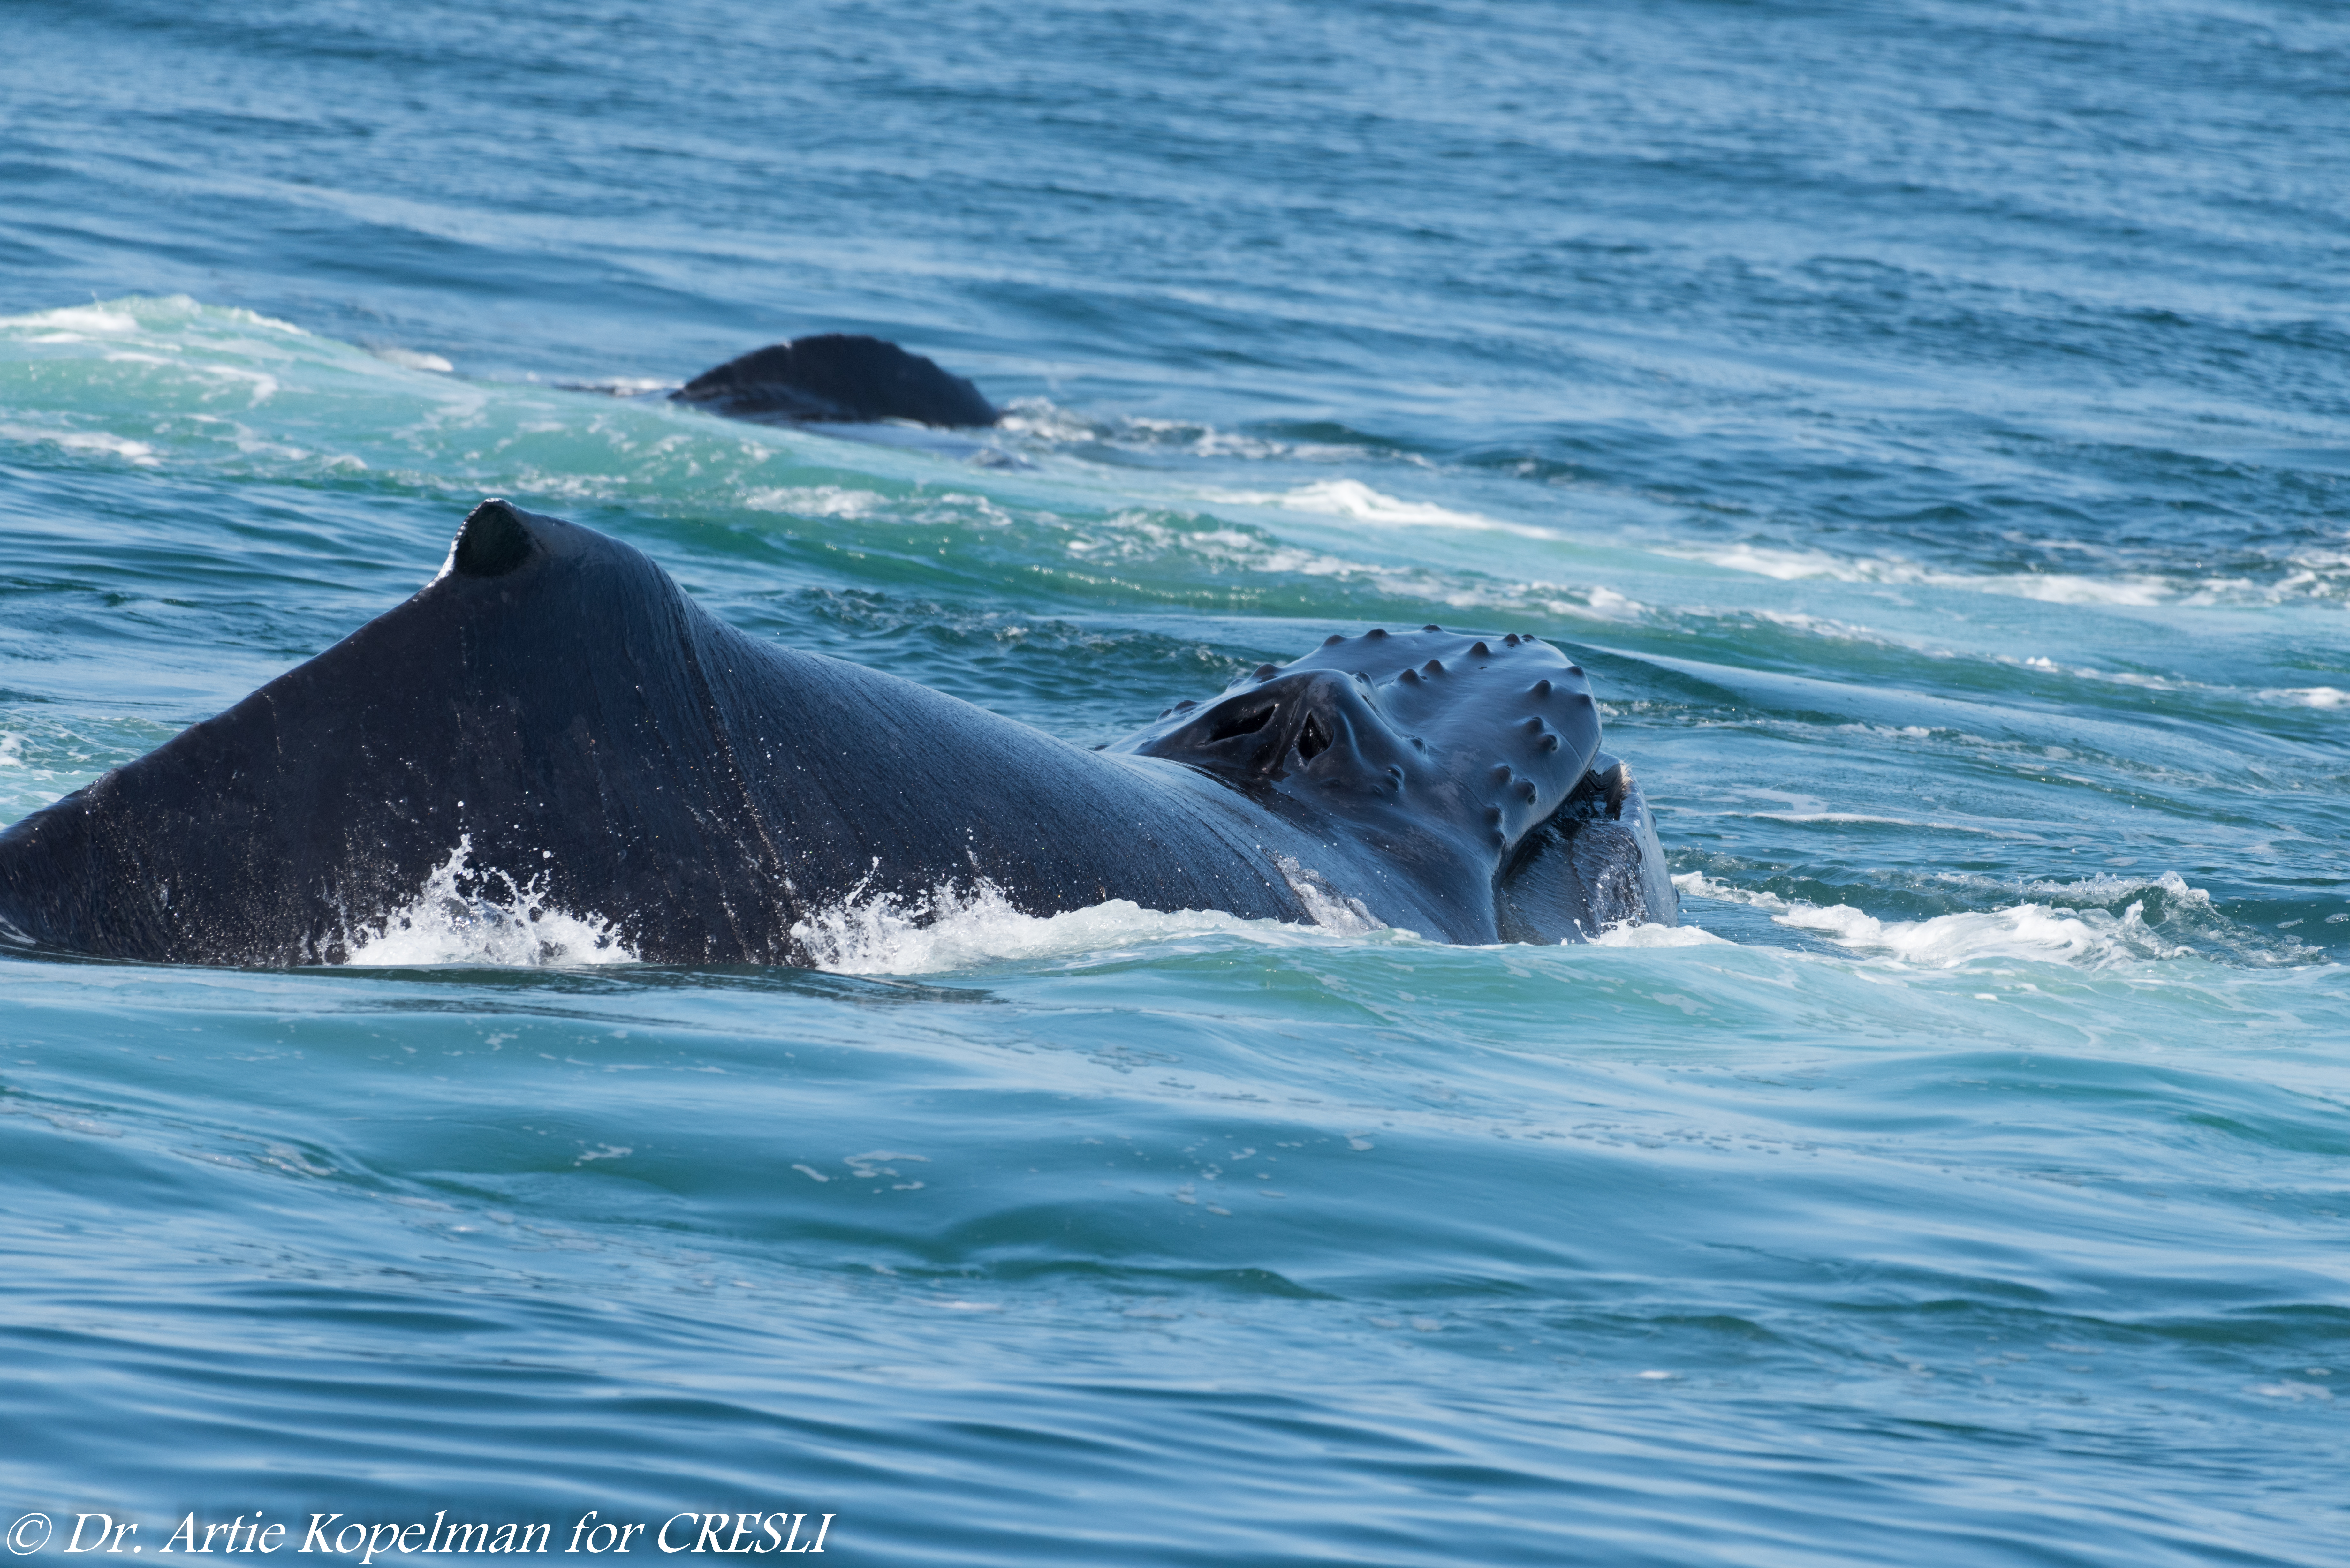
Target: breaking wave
(2032, 932)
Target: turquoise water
(1929, 423)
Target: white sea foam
(264, 386)
(1698, 884)
(134, 452)
(950, 928)
(1797, 566)
(138, 314)
(816, 500)
(1135, 534)
(2104, 888)
(1353, 498)
(2069, 588)
(2327, 697)
(1599, 600)
(2047, 587)
(1039, 420)
(1141, 536)
(75, 319)
(485, 916)
(1201, 441)
(1626, 934)
(1045, 420)
(413, 359)
(2029, 931)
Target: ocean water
(1930, 422)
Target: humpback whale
(554, 708)
(836, 377)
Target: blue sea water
(1928, 419)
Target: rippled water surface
(1928, 422)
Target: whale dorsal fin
(492, 542)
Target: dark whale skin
(553, 701)
(836, 377)
(1474, 761)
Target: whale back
(840, 377)
(553, 709)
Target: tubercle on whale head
(1475, 739)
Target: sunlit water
(1928, 423)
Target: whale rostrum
(555, 706)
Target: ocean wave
(2326, 697)
(817, 501)
(2082, 935)
(412, 360)
(2027, 931)
(1354, 499)
(138, 453)
(2304, 574)
(1039, 421)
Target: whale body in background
(556, 712)
(836, 377)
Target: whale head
(1432, 744)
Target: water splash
(950, 928)
(1631, 934)
(1331, 910)
(483, 916)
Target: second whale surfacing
(553, 711)
(837, 378)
